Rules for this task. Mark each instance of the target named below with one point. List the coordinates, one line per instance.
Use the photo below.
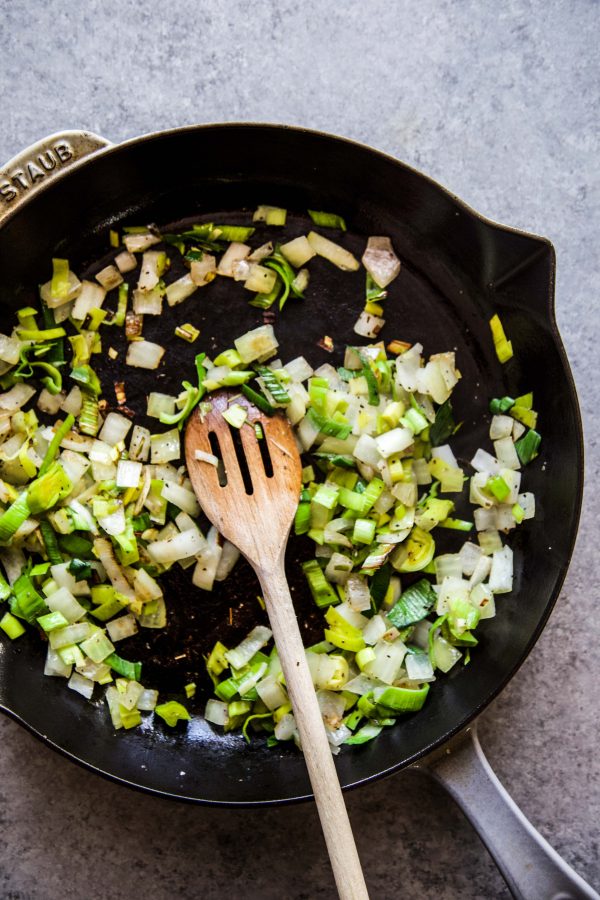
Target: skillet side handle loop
(27, 172)
(532, 869)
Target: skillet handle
(27, 172)
(532, 869)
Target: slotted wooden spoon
(259, 523)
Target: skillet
(59, 198)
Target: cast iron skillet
(458, 269)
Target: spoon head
(252, 495)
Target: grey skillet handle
(33, 168)
(531, 868)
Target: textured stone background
(500, 103)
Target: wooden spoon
(257, 518)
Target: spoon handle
(332, 810)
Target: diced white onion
(109, 277)
(182, 545)
(501, 576)
(165, 447)
(331, 251)
(180, 290)
(144, 354)
(148, 303)
(256, 344)
(367, 325)
(380, 261)
(203, 271)
(129, 473)
(125, 261)
(72, 402)
(81, 685)
(115, 429)
(182, 498)
(139, 445)
(501, 427)
(418, 667)
(91, 296)
(64, 602)
(209, 458)
(358, 595)
(216, 713)
(16, 397)
(258, 638)
(229, 557)
(234, 253)
(122, 627)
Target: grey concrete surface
(499, 101)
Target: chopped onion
(260, 279)
(50, 403)
(285, 729)
(394, 441)
(234, 253)
(160, 403)
(105, 553)
(374, 630)
(144, 354)
(109, 277)
(16, 397)
(203, 271)
(115, 429)
(380, 261)
(10, 348)
(229, 557)
(82, 685)
(357, 593)
(271, 692)
(180, 290)
(408, 365)
(180, 546)
(121, 628)
(258, 638)
(72, 402)
(331, 251)
(367, 325)
(418, 667)
(298, 251)
(209, 458)
(257, 343)
(129, 473)
(152, 262)
(339, 567)
(139, 445)
(165, 447)
(125, 261)
(91, 296)
(527, 503)
(182, 498)
(57, 302)
(216, 713)
(501, 575)
(388, 661)
(64, 602)
(501, 427)
(147, 700)
(137, 243)
(148, 303)
(506, 453)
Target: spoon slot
(215, 448)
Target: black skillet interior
(457, 270)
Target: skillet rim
(549, 312)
